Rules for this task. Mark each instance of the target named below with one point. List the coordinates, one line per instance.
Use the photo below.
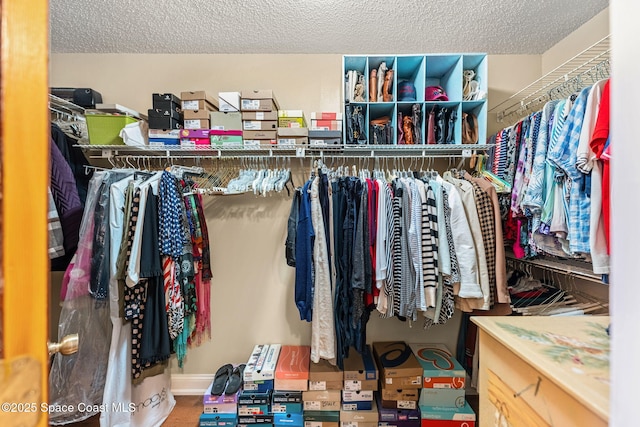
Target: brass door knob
(67, 346)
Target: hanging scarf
(173, 298)
(170, 217)
(206, 251)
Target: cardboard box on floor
(325, 376)
(292, 370)
(440, 368)
(399, 368)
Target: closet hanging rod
(578, 65)
(62, 106)
(301, 151)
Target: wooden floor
(187, 412)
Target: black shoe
(235, 380)
(220, 380)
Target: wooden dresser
(543, 371)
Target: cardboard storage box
(197, 104)
(255, 419)
(262, 363)
(259, 134)
(438, 416)
(363, 416)
(399, 368)
(400, 394)
(196, 114)
(397, 414)
(324, 138)
(164, 123)
(259, 125)
(225, 121)
(165, 97)
(286, 408)
(259, 95)
(229, 101)
(285, 420)
(196, 124)
(199, 95)
(451, 397)
(253, 409)
(252, 144)
(248, 397)
(260, 385)
(292, 122)
(260, 115)
(359, 367)
(408, 423)
(321, 418)
(218, 420)
(223, 404)
(362, 405)
(225, 138)
(292, 370)
(257, 105)
(357, 396)
(164, 133)
(326, 124)
(162, 112)
(440, 368)
(163, 141)
(325, 376)
(327, 400)
(327, 115)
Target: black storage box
(164, 122)
(159, 113)
(84, 97)
(166, 101)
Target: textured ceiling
(315, 26)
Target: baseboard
(190, 384)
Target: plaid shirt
(488, 229)
(56, 238)
(564, 156)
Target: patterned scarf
(170, 217)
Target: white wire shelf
(341, 150)
(585, 68)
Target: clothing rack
(583, 69)
(293, 151)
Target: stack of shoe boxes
(220, 410)
(254, 403)
(226, 124)
(164, 120)
(322, 401)
(196, 107)
(360, 384)
(442, 398)
(259, 118)
(400, 377)
(397, 417)
(292, 129)
(326, 129)
(291, 380)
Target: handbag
(469, 128)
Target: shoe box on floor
(440, 416)
(258, 100)
(361, 400)
(399, 368)
(387, 414)
(361, 418)
(218, 420)
(260, 369)
(292, 369)
(289, 419)
(399, 398)
(290, 137)
(321, 418)
(255, 420)
(325, 376)
(325, 400)
(254, 402)
(443, 377)
(360, 371)
(223, 404)
(286, 402)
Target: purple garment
(66, 198)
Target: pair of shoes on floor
(227, 380)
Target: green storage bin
(104, 129)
